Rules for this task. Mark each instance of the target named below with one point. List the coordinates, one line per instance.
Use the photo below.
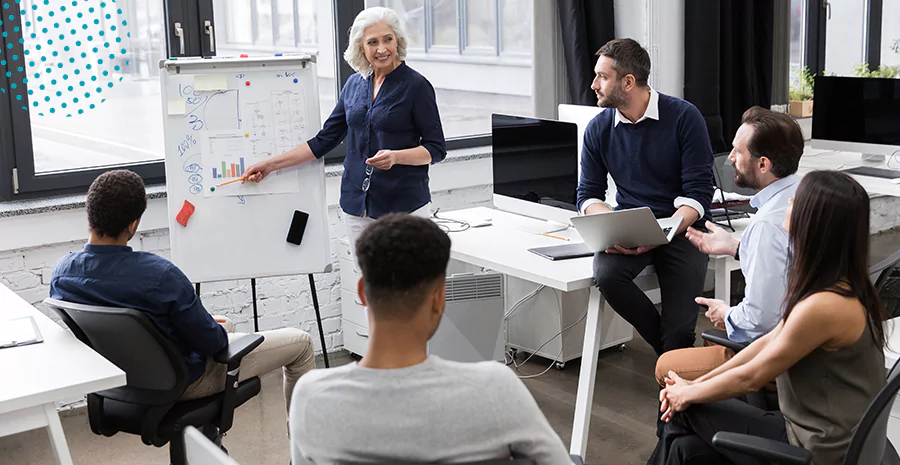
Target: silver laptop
(635, 227)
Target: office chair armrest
(717, 336)
(232, 356)
(236, 350)
(767, 449)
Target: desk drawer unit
(356, 337)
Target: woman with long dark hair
(826, 353)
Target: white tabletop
(60, 368)
(503, 248)
(816, 159)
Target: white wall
(659, 26)
(845, 36)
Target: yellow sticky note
(176, 106)
(205, 82)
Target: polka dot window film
(72, 50)
(88, 79)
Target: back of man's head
(777, 137)
(629, 58)
(403, 259)
(115, 200)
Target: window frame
(18, 179)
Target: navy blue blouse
(404, 115)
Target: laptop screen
(535, 160)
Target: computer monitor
(857, 115)
(535, 164)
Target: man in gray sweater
(398, 403)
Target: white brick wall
(282, 302)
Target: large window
(278, 26)
(890, 33)
(92, 82)
(80, 94)
(477, 55)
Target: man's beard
(745, 181)
(615, 99)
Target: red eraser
(185, 214)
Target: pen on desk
(555, 237)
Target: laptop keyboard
(666, 231)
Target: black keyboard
(666, 231)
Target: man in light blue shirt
(767, 150)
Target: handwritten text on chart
(195, 180)
(186, 145)
(197, 103)
(287, 74)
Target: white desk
(816, 159)
(504, 249)
(38, 375)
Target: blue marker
(278, 54)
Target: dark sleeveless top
(824, 395)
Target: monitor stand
(538, 227)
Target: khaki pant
(691, 363)
(287, 348)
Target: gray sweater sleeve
(531, 433)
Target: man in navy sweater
(657, 150)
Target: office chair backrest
(885, 275)
(154, 368)
(199, 450)
(870, 436)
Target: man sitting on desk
(657, 149)
(108, 273)
(398, 404)
(767, 150)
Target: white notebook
(19, 332)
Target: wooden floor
(622, 425)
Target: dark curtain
(586, 25)
(728, 61)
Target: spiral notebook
(19, 332)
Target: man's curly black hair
(401, 257)
(115, 200)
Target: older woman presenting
(389, 115)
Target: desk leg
(723, 280)
(57, 438)
(584, 399)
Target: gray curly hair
(354, 55)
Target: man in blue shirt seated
(108, 273)
(656, 148)
(767, 150)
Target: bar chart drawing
(229, 170)
(227, 155)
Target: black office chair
(157, 376)
(868, 446)
(886, 276)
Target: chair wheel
(621, 347)
(560, 365)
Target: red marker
(244, 55)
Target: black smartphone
(298, 226)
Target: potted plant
(801, 94)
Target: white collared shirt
(652, 112)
